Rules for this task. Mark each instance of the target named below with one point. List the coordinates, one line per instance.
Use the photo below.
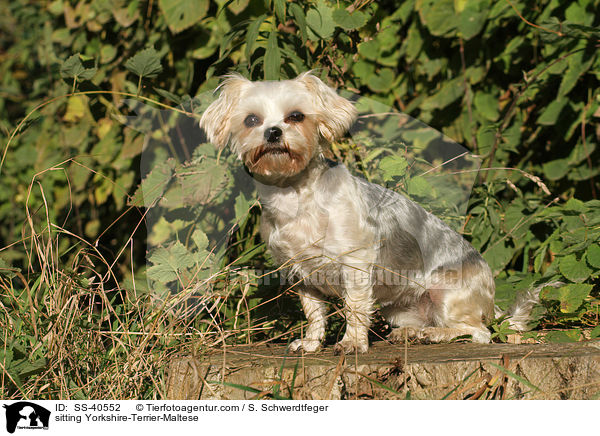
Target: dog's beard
(277, 159)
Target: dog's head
(276, 128)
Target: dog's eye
(294, 117)
(251, 121)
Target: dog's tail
(518, 314)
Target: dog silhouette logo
(26, 415)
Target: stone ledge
(458, 371)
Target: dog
(339, 235)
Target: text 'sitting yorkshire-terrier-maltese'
(340, 235)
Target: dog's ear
(216, 119)
(335, 113)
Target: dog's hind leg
(406, 324)
(461, 306)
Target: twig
(467, 95)
(520, 223)
(532, 24)
(513, 106)
(73, 94)
(587, 154)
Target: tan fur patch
(283, 160)
(308, 129)
(286, 163)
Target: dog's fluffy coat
(340, 235)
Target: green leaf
(163, 231)
(370, 49)
(363, 70)
(252, 34)
(413, 43)
(6, 357)
(578, 63)
(573, 269)
(6, 270)
(550, 115)
(580, 153)
(167, 263)
(300, 19)
(559, 337)
(72, 68)
(570, 296)
(102, 192)
(107, 53)
(438, 16)
(242, 207)
(419, 187)
(181, 14)
(200, 239)
(56, 7)
(580, 31)
(26, 369)
(280, 10)
(471, 21)
(291, 57)
(556, 169)
(486, 136)
(421, 137)
(583, 172)
(450, 91)
(497, 255)
(393, 167)
(515, 376)
(348, 21)
(320, 22)
(575, 205)
(153, 186)
(78, 107)
(577, 14)
(272, 58)
(383, 81)
(235, 6)
(507, 289)
(199, 183)
(145, 64)
(593, 255)
(106, 149)
(511, 137)
(459, 5)
(168, 95)
(487, 105)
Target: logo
(26, 415)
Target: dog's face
(276, 128)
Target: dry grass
(72, 330)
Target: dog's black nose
(272, 134)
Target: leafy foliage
(145, 64)
(72, 68)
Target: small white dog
(340, 235)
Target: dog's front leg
(358, 301)
(316, 314)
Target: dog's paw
(401, 334)
(349, 346)
(434, 335)
(308, 345)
